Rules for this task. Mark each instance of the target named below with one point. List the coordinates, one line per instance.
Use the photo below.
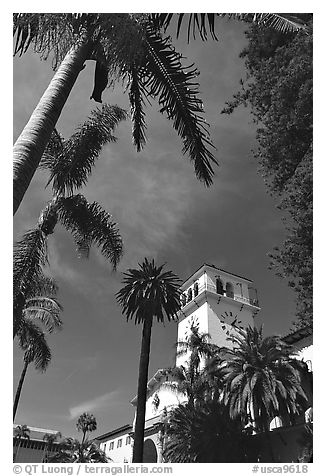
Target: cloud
(98, 403)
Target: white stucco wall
(121, 454)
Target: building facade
(214, 300)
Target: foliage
(306, 443)
(149, 293)
(49, 440)
(238, 391)
(204, 433)
(21, 431)
(130, 48)
(72, 451)
(262, 379)
(70, 163)
(278, 88)
(203, 22)
(86, 423)
(197, 345)
(38, 304)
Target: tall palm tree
(262, 380)
(148, 293)
(184, 381)
(36, 351)
(86, 423)
(70, 450)
(196, 346)
(20, 432)
(188, 379)
(40, 315)
(124, 46)
(49, 440)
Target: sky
(163, 212)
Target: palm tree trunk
(31, 143)
(142, 392)
(19, 388)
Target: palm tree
(185, 382)
(20, 432)
(86, 423)
(72, 451)
(88, 222)
(41, 310)
(202, 434)
(188, 379)
(148, 293)
(38, 304)
(70, 163)
(49, 440)
(262, 380)
(36, 350)
(124, 46)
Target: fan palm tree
(49, 440)
(124, 46)
(72, 451)
(20, 432)
(262, 380)
(148, 293)
(36, 351)
(86, 423)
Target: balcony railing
(212, 288)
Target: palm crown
(261, 377)
(130, 48)
(149, 293)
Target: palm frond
(136, 98)
(44, 309)
(164, 77)
(53, 149)
(32, 341)
(89, 224)
(204, 23)
(26, 26)
(44, 286)
(149, 293)
(30, 254)
(73, 164)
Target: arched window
(229, 290)
(196, 289)
(276, 423)
(189, 294)
(183, 299)
(150, 452)
(219, 286)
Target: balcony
(186, 299)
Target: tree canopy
(278, 88)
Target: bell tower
(216, 300)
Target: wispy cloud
(98, 403)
